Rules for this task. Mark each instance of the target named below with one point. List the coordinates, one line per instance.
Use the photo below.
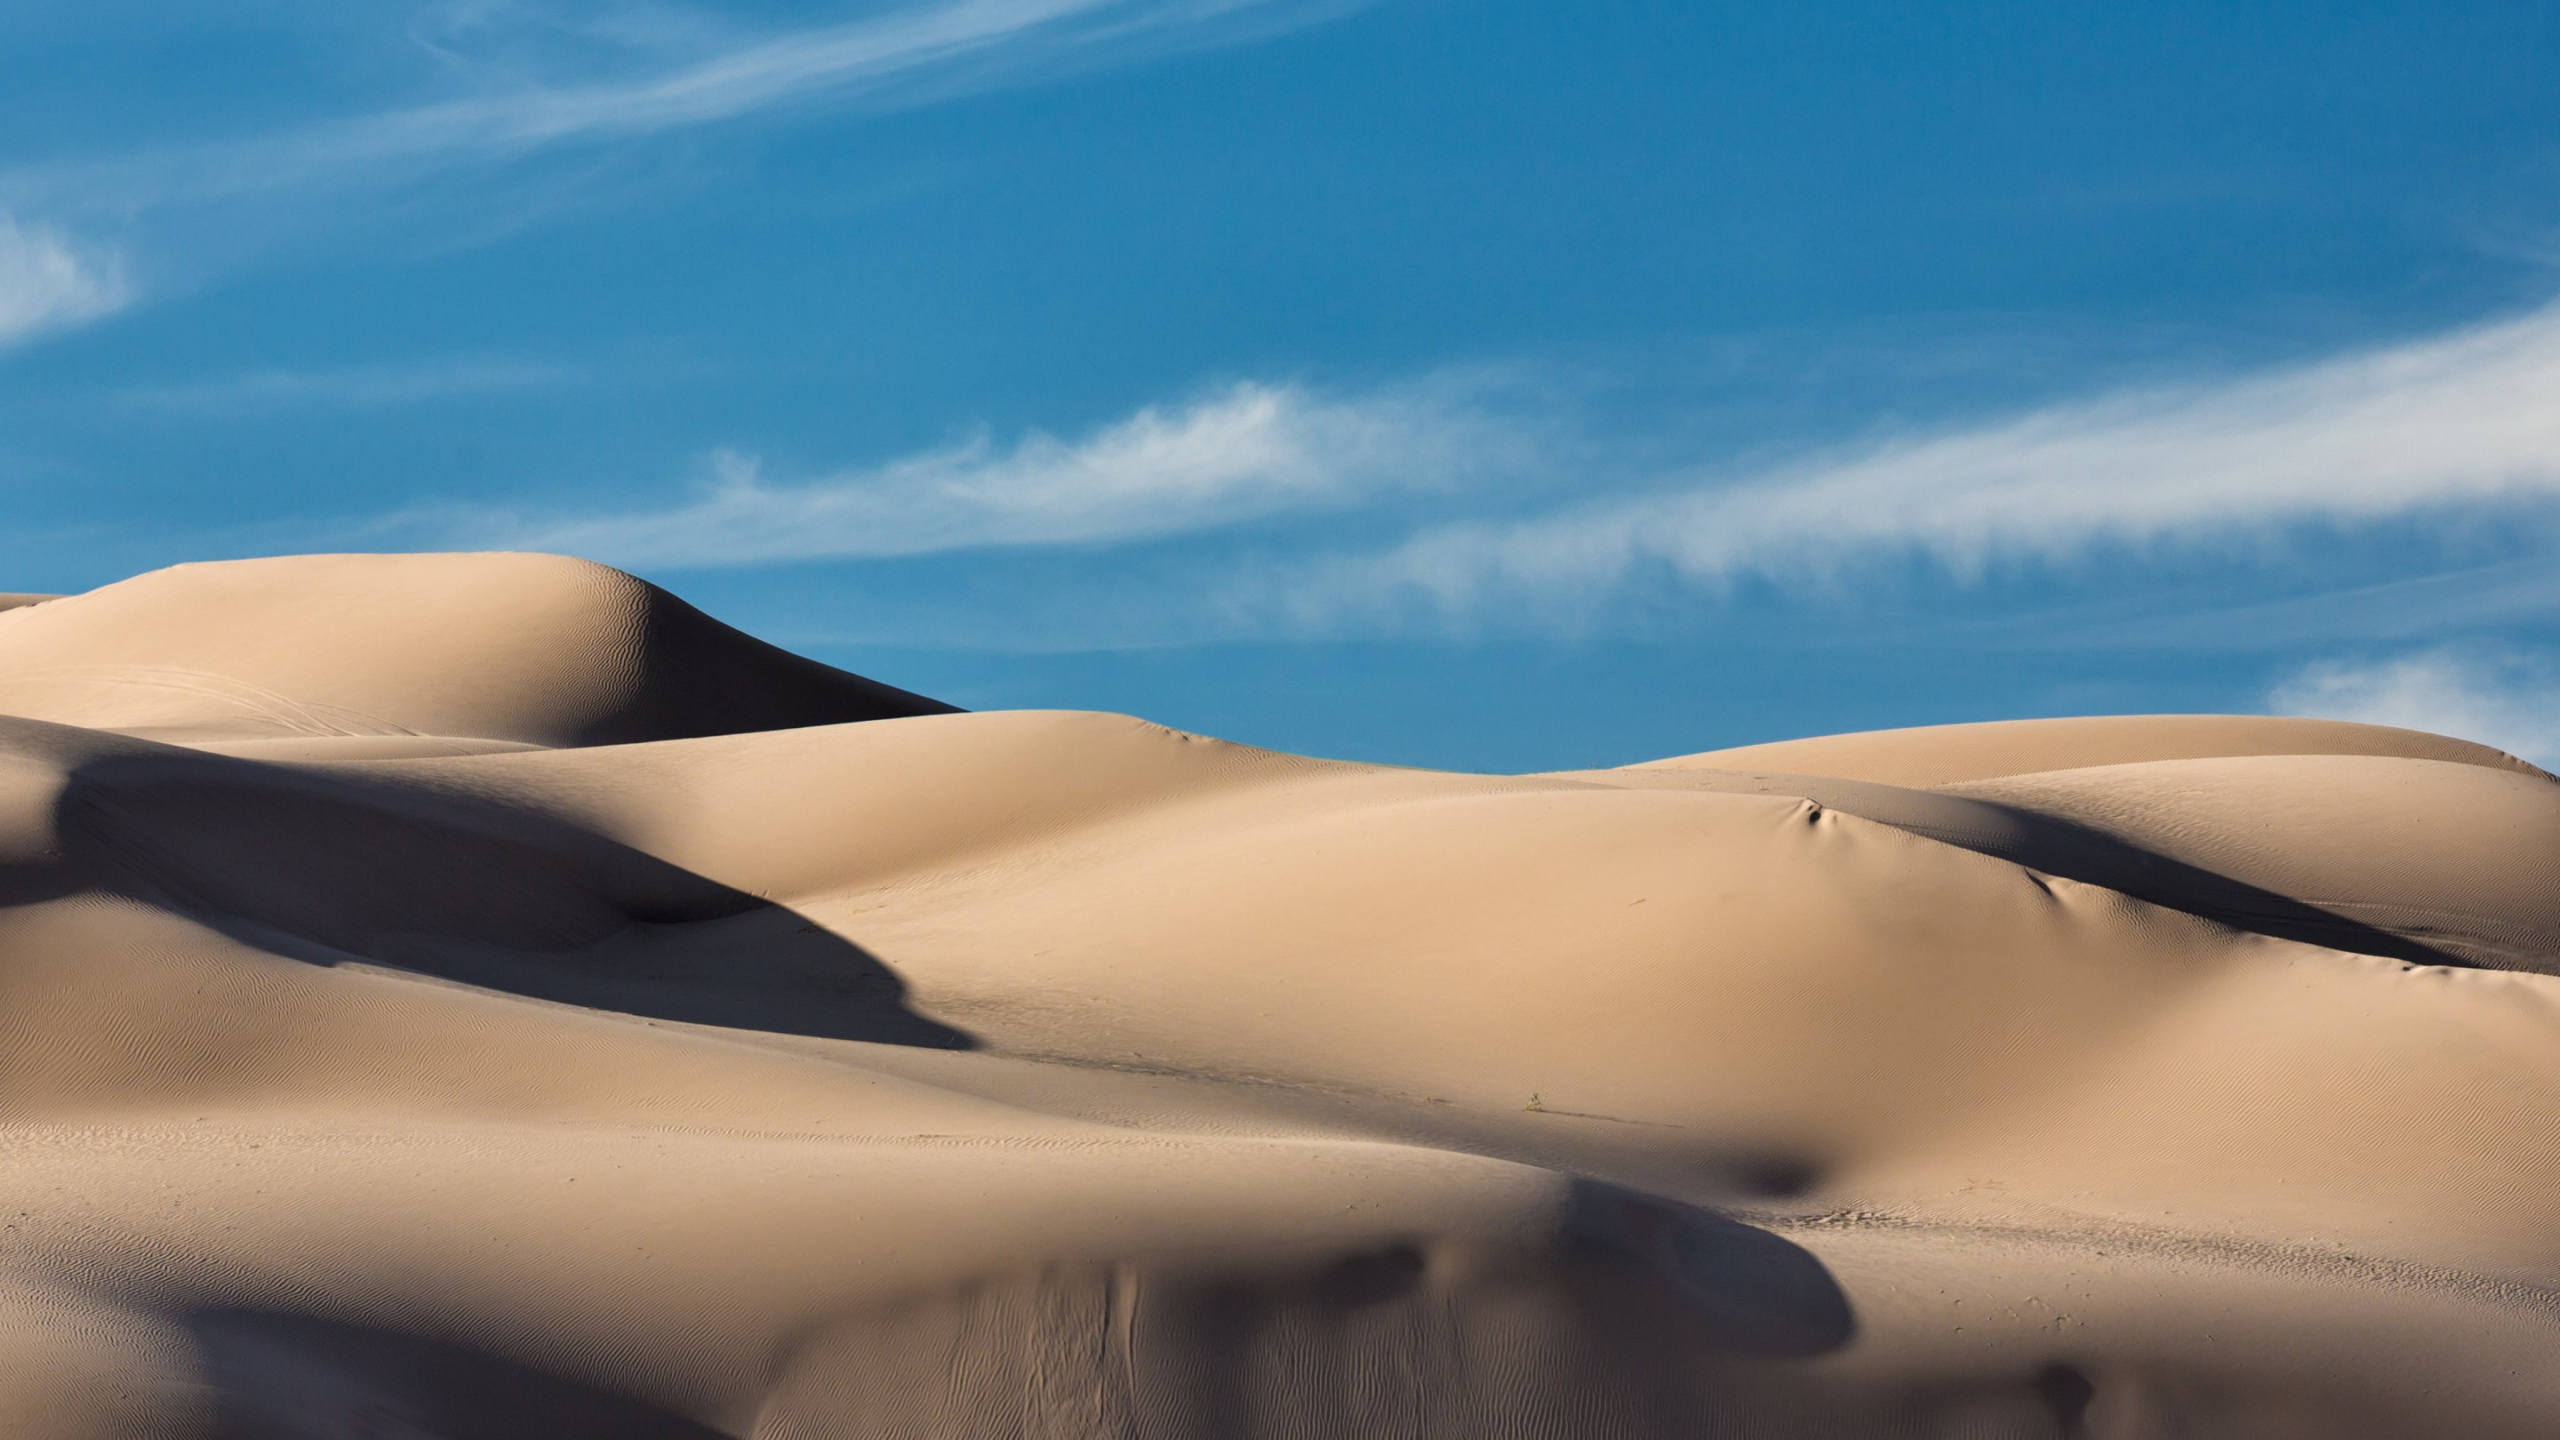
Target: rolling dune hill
(482, 997)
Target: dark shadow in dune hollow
(292, 1377)
(330, 866)
(2075, 852)
(2059, 846)
(1647, 1319)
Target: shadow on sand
(292, 1377)
(330, 866)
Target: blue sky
(1494, 385)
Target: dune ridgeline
(482, 997)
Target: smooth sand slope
(480, 996)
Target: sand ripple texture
(482, 997)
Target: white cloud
(2511, 703)
(2453, 426)
(721, 86)
(1250, 451)
(599, 78)
(2471, 416)
(48, 282)
(723, 78)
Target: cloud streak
(2460, 419)
(2509, 702)
(2468, 417)
(2456, 426)
(840, 63)
(239, 196)
(49, 282)
(1245, 453)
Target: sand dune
(1951, 754)
(387, 651)
(479, 996)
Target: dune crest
(299, 652)
(480, 996)
(1930, 755)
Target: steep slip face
(1060, 1074)
(301, 654)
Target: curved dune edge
(378, 649)
(1931, 755)
(1049, 1073)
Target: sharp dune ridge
(481, 996)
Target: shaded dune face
(1625, 1317)
(330, 867)
(287, 1375)
(482, 997)
(1568, 1325)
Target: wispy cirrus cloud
(729, 79)
(2507, 700)
(2457, 419)
(612, 90)
(48, 281)
(2449, 423)
(1247, 452)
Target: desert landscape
(481, 996)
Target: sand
(481, 996)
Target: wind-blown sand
(481, 996)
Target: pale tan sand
(1948, 754)
(528, 648)
(426, 1015)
